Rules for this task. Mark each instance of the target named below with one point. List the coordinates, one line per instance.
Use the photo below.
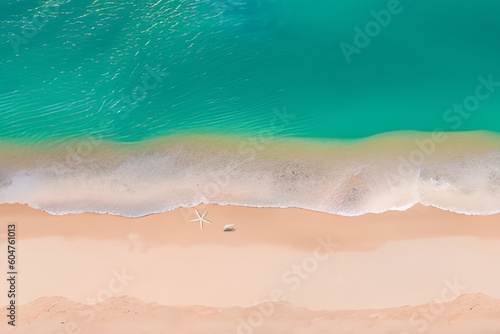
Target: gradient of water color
(222, 66)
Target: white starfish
(201, 219)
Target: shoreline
(459, 173)
(417, 222)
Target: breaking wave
(390, 172)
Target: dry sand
(471, 313)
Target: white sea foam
(351, 180)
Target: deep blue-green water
(129, 70)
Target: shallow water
(457, 172)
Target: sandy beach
(249, 167)
(308, 260)
(471, 313)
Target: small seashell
(229, 227)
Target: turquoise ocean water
(129, 70)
